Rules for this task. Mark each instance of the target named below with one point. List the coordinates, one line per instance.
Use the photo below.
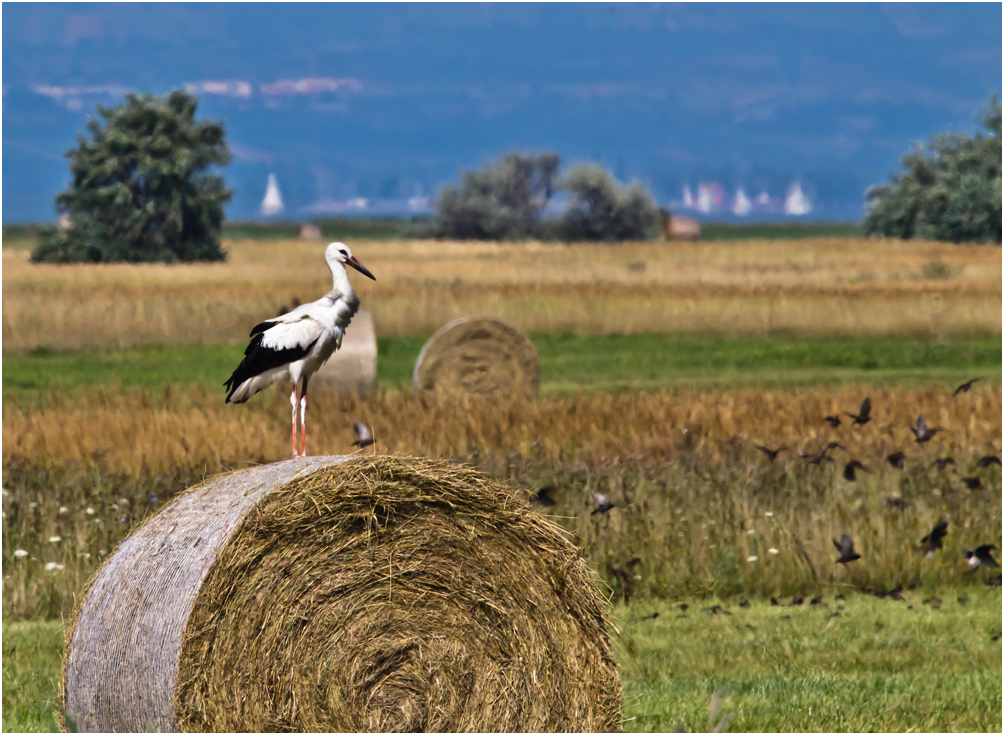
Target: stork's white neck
(340, 279)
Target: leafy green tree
(950, 189)
(600, 208)
(141, 188)
(502, 201)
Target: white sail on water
(272, 203)
(796, 204)
(704, 199)
(741, 206)
(688, 198)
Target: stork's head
(338, 252)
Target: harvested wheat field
(718, 558)
(822, 286)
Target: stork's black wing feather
(260, 328)
(259, 359)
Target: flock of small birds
(982, 556)
(922, 433)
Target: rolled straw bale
(343, 594)
(352, 369)
(480, 356)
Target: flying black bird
(771, 453)
(981, 557)
(942, 462)
(816, 601)
(744, 602)
(364, 436)
(864, 415)
(932, 541)
(796, 601)
(973, 483)
(816, 458)
(849, 470)
(964, 388)
(987, 461)
(653, 616)
(543, 496)
(846, 548)
(774, 602)
(896, 459)
(833, 421)
(603, 504)
(922, 432)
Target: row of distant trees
(508, 199)
(145, 188)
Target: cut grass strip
(569, 362)
(865, 665)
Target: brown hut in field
(307, 231)
(678, 228)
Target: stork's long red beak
(360, 267)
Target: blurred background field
(848, 287)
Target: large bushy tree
(600, 208)
(502, 201)
(949, 189)
(142, 188)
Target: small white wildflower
(32, 504)
(115, 506)
(769, 514)
(773, 551)
(85, 555)
(20, 552)
(53, 567)
(89, 511)
(751, 558)
(62, 509)
(751, 532)
(123, 501)
(102, 552)
(55, 539)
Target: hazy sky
(343, 100)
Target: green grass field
(568, 363)
(868, 664)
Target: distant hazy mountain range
(751, 111)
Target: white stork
(292, 347)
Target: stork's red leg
(293, 402)
(303, 418)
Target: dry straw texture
(377, 594)
(479, 356)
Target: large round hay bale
(353, 367)
(480, 356)
(343, 594)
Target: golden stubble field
(822, 286)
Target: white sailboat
(704, 199)
(688, 198)
(741, 206)
(796, 204)
(272, 203)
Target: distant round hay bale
(343, 594)
(353, 367)
(479, 356)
